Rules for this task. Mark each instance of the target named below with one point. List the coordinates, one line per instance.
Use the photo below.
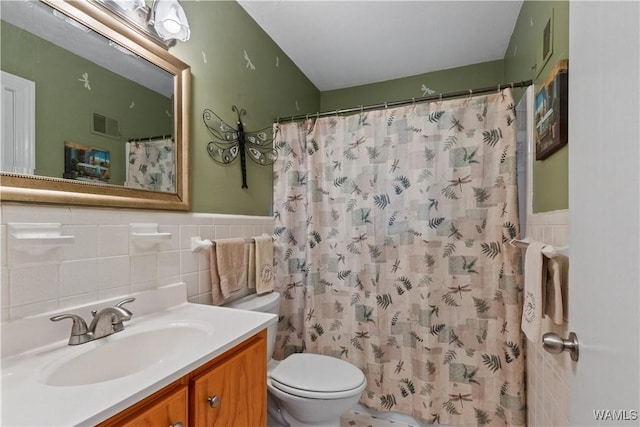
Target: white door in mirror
(18, 124)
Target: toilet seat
(317, 376)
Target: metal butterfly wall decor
(228, 142)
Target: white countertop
(27, 400)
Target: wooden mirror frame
(40, 189)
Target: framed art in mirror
(169, 100)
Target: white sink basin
(166, 339)
(122, 354)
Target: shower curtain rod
(469, 92)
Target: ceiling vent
(106, 126)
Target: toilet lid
(317, 373)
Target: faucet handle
(79, 331)
(125, 301)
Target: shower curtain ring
(386, 105)
(440, 97)
(511, 85)
(414, 100)
(499, 88)
(470, 93)
(361, 109)
(307, 116)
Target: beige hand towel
(251, 267)
(264, 264)
(532, 305)
(216, 292)
(555, 278)
(231, 265)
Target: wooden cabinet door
(168, 411)
(239, 382)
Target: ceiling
(339, 44)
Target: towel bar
(198, 244)
(549, 251)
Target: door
(604, 200)
(18, 118)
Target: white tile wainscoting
(103, 262)
(548, 375)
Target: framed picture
(552, 113)
(85, 163)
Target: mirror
(110, 122)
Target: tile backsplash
(548, 375)
(104, 261)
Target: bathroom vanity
(174, 364)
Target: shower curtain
(151, 165)
(392, 253)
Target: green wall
(550, 176)
(65, 107)
(451, 80)
(221, 31)
(221, 77)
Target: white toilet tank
(264, 303)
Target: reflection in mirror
(98, 113)
(92, 96)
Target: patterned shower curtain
(392, 253)
(151, 165)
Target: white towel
(264, 264)
(533, 283)
(555, 278)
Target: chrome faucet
(105, 322)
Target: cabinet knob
(178, 424)
(214, 401)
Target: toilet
(304, 389)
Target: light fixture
(169, 20)
(163, 23)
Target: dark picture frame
(552, 112)
(85, 163)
